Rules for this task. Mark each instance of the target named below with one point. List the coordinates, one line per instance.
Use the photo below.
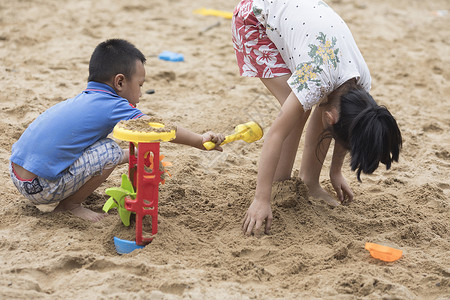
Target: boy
(64, 155)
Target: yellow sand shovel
(214, 12)
(249, 132)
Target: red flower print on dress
(266, 55)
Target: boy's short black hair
(368, 131)
(112, 57)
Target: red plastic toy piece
(146, 186)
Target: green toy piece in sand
(117, 199)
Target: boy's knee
(108, 154)
(116, 155)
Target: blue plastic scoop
(125, 246)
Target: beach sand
(313, 251)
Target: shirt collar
(94, 86)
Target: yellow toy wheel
(144, 131)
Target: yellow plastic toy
(136, 136)
(249, 132)
(214, 12)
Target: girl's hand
(343, 190)
(257, 213)
(216, 138)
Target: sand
(313, 252)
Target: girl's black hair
(368, 131)
(112, 57)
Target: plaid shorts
(104, 154)
(256, 54)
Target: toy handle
(228, 139)
(209, 145)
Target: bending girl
(306, 56)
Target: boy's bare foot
(318, 192)
(87, 214)
(82, 212)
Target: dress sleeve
(315, 77)
(310, 84)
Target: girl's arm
(196, 140)
(343, 190)
(260, 210)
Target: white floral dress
(315, 45)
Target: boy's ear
(119, 82)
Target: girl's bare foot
(316, 191)
(80, 211)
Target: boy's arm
(196, 140)
(338, 181)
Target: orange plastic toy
(384, 253)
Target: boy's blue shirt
(58, 137)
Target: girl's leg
(314, 156)
(280, 89)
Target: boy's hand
(216, 138)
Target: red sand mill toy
(147, 184)
(145, 175)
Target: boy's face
(131, 89)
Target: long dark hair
(367, 130)
(112, 57)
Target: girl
(306, 56)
